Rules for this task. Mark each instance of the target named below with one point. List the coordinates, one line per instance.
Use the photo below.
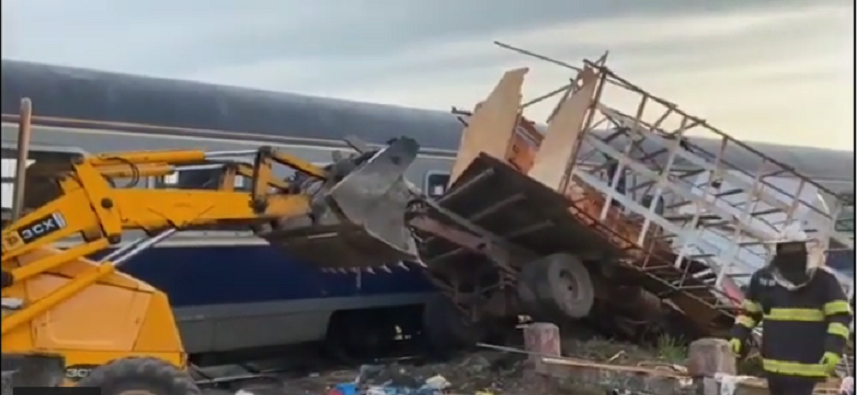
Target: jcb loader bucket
(358, 213)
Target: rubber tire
(337, 340)
(153, 375)
(528, 297)
(445, 327)
(542, 289)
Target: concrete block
(710, 356)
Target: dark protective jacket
(799, 324)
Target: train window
(293, 177)
(9, 166)
(7, 195)
(39, 190)
(198, 179)
(845, 222)
(6, 217)
(8, 180)
(209, 178)
(436, 183)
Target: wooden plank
(491, 126)
(562, 136)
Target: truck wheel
(556, 286)
(445, 326)
(527, 291)
(140, 376)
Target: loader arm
(89, 205)
(331, 208)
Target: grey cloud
(658, 58)
(169, 36)
(405, 51)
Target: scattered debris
(484, 371)
(600, 367)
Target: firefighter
(804, 314)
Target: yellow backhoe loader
(69, 320)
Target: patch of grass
(751, 366)
(671, 349)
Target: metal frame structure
(706, 223)
(751, 214)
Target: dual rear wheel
(554, 288)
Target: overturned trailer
(659, 237)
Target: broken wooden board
(492, 125)
(559, 146)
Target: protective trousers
(782, 385)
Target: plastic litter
(847, 386)
(729, 383)
(435, 385)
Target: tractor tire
(557, 286)
(445, 326)
(140, 375)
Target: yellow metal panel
(78, 266)
(158, 332)
(99, 318)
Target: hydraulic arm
(84, 312)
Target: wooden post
(541, 340)
(707, 358)
(24, 133)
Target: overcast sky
(778, 71)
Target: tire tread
(142, 370)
